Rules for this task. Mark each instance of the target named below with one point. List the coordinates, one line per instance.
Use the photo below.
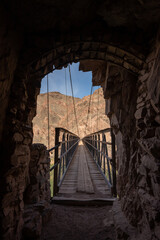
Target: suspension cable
(98, 110)
(89, 108)
(66, 97)
(91, 130)
(48, 112)
(73, 100)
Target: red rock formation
(58, 115)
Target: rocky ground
(80, 223)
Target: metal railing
(101, 145)
(65, 146)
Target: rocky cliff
(58, 104)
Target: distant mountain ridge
(58, 115)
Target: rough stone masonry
(120, 43)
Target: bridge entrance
(84, 186)
(84, 170)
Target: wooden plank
(83, 180)
(84, 183)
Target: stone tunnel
(119, 41)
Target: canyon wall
(59, 116)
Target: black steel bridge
(84, 170)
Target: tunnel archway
(23, 108)
(134, 112)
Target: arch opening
(90, 109)
(130, 85)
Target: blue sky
(81, 82)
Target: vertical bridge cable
(73, 100)
(66, 97)
(98, 110)
(88, 108)
(91, 130)
(48, 111)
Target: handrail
(100, 131)
(98, 143)
(68, 149)
(61, 155)
(53, 148)
(98, 150)
(55, 165)
(66, 131)
(65, 146)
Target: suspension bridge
(84, 170)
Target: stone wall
(148, 138)
(11, 184)
(37, 194)
(133, 107)
(38, 189)
(17, 140)
(10, 42)
(24, 165)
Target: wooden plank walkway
(83, 181)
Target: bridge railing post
(55, 184)
(67, 155)
(98, 145)
(113, 164)
(96, 152)
(65, 145)
(102, 146)
(104, 158)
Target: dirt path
(80, 223)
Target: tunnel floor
(80, 223)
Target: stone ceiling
(60, 32)
(55, 15)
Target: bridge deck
(83, 180)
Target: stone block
(22, 150)
(140, 104)
(130, 67)
(139, 99)
(27, 141)
(140, 113)
(157, 118)
(120, 52)
(111, 49)
(24, 159)
(144, 77)
(18, 137)
(108, 107)
(149, 163)
(142, 170)
(142, 183)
